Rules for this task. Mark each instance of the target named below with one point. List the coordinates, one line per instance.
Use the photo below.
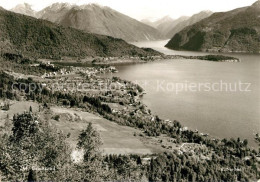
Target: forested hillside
(234, 31)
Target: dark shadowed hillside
(39, 38)
(233, 31)
(98, 19)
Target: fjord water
(219, 113)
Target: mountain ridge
(31, 37)
(187, 22)
(25, 9)
(166, 28)
(237, 30)
(99, 19)
(156, 24)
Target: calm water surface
(219, 113)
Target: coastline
(99, 61)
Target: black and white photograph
(130, 90)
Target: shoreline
(99, 61)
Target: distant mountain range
(180, 24)
(25, 9)
(36, 38)
(148, 22)
(168, 27)
(106, 21)
(95, 19)
(165, 24)
(233, 31)
(156, 24)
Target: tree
(139, 160)
(32, 177)
(72, 103)
(245, 142)
(34, 143)
(24, 125)
(89, 140)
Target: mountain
(25, 9)
(36, 38)
(164, 20)
(190, 21)
(233, 31)
(55, 12)
(163, 24)
(148, 22)
(158, 23)
(168, 27)
(99, 19)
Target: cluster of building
(88, 71)
(123, 58)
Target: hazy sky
(140, 9)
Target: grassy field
(116, 139)
(15, 108)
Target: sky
(145, 9)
